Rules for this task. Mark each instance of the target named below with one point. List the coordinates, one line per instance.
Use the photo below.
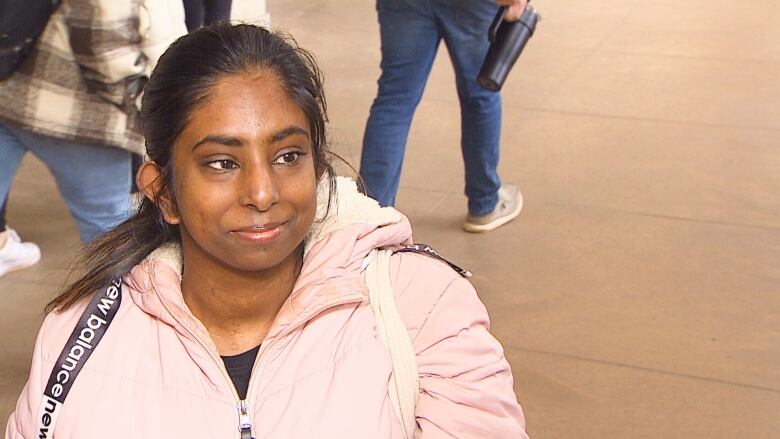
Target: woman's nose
(259, 187)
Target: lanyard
(85, 336)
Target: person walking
(73, 104)
(410, 32)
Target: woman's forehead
(262, 84)
(259, 99)
(243, 110)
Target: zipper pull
(244, 421)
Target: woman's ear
(150, 182)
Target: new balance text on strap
(86, 335)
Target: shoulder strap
(428, 251)
(404, 386)
(82, 342)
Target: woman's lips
(259, 233)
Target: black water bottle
(507, 40)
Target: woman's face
(244, 175)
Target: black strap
(88, 332)
(428, 251)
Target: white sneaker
(16, 255)
(510, 203)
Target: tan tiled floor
(638, 295)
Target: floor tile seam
(756, 61)
(541, 109)
(691, 57)
(423, 189)
(438, 203)
(599, 46)
(669, 217)
(585, 57)
(646, 369)
(566, 78)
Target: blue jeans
(199, 13)
(410, 34)
(94, 180)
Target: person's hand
(514, 8)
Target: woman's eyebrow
(222, 140)
(287, 132)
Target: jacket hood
(347, 228)
(353, 226)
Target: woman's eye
(222, 165)
(288, 158)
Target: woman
(249, 249)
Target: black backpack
(21, 22)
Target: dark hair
(179, 84)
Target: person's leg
(2, 219)
(193, 14)
(94, 180)
(14, 254)
(216, 10)
(11, 152)
(465, 24)
(409, 38)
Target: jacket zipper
(245, 426)
(244, 421)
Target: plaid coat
(83, 78)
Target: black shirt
(239, 367)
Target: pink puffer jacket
(322, 372)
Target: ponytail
(115, 253)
